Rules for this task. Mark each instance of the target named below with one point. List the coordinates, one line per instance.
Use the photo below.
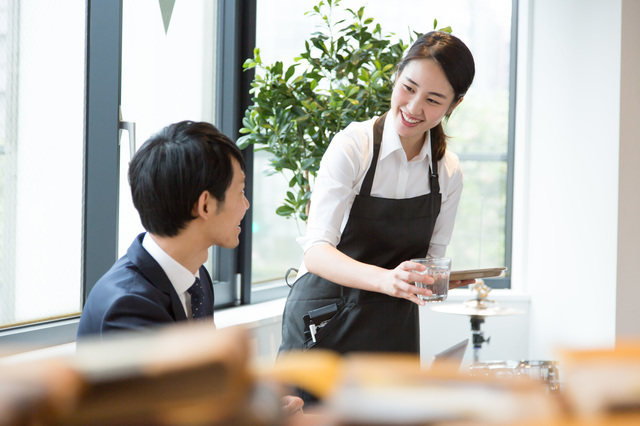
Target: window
(59, 150)
(41, 159)
(168, 75)
(480, 129)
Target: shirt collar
(181, 278)
(391, 141)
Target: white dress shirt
(181, 278)
(344, 166)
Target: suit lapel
(154, 273)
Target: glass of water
(438, 268)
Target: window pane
(274, 248)
(168, 58)
(478, 129)
(41, 158)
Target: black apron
(383, 232)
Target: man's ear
(203, 207)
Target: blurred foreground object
(602, 389)
(545, 372)
(37, 393)
(187, 374)
(391, 389)
(184, 374)
(603, 382)
(193, 374)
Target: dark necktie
(199, 304)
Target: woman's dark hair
(455, 59)
(174, 167)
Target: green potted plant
(345, 74)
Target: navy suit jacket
(134, 294)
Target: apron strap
(434, 184)
(377, 140)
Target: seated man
(187, 183)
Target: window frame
(99, 240)
(236, 36)
(505, 282)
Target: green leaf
(248, 64)
(243, 141)
(308, 163)
(319, 44)
(246, 122)
(276, 69)
(285, 211)
(285, 163)
(290, 72)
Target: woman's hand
(399, 282)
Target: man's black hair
(174, 167)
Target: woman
(387, 191)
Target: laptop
(451, 357)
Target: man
(187, 183)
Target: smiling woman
(479, 130)
(387, 191)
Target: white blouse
(344, 166)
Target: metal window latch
(130, 128)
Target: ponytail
(438, 142)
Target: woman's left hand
(460, 283)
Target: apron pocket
(329, 328)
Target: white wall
(568, 175)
